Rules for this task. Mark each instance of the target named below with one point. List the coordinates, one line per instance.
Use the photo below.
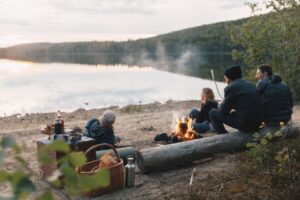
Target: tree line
(272, 38)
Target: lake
(28, 87)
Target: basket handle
(92, 148)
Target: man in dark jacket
(275, 95)
(241, 107)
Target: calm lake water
(35, 87)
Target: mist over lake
(38, 87)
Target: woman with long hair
(201, 120)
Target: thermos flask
(130, 170)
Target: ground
(136, 125)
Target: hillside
(193, 51)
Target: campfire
(183, 130)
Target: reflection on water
(34, 87)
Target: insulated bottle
(130, 170)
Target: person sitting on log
(201, 119)
(276, 97)
(102, 130)
(241, 107)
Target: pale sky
(24, 21)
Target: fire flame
(183, 129)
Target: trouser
(218, 119)
(195, 114)
(199, 127)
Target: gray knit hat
(107, 118)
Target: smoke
(175, 116)
(183, 62)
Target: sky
(26, 21)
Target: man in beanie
(241, 107)
(276, 97)
(101, 129)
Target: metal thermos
(130, 170)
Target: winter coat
(276, 99)
(243, 98)
(102, 134)
(202, 115)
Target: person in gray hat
(101, 129)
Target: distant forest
(192, 51)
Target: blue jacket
(102, 134)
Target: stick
(192, 177)
(213, 78)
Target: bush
(66, 176)
(273, 38)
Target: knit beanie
(107, 118)
(233, 73)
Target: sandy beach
(136, 125)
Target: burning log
(168, 156)
(184, 131)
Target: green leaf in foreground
(278, 134)
(77, 158)
(100, 179)
(70, 176)
(21, 160)
(44, 157)
(46, 196)
(264, 141)
(269, 136)
(3, 176)
(17, 149)
(103, 177)
(21, 184)
(250, 144)
(256, 135)
(7, 142)
(60, 146)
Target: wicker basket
(117, 173)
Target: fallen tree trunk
(168, 156)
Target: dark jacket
(243, 97)
(205, 108)
(102, 134)
(203, 115)
(276, 99)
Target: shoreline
(78, 117)
(111, 107)
(32, 120)
(114, 107)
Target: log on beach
(168, 156)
